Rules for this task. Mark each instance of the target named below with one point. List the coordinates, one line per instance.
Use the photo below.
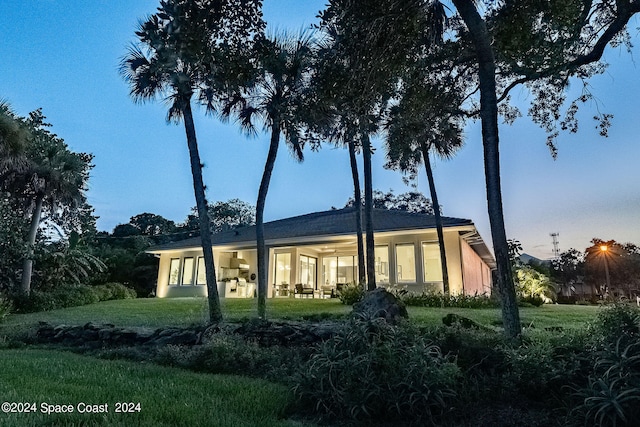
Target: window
(382, 264)
(308, 270)
(431, 264)
(187, 271)
(201, 275)
(283, 269)
(405, 263)
(340, 270)
(174, 271)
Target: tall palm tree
(357, 197)
(55, 177)
(279, 99)
(362, 69)
(425, 121)
(336, 126)
(180, 53)
(485, 56)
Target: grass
(158, 312)
(546, 316)
(167, 396)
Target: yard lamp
(604, 249)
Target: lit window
(382, 264)
(174, 271)
(283, 269)
(406, 263)
(201, 275)
(187, 271)
(339, 270)
(431, 264)
(308, 270)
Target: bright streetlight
(604, 249)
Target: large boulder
(381, 304)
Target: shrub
(437, 299)
(351, 294)
(608, 394)
(73, 295)
(5, 307)
(120, 291)
(69, 296)
(371, 370)
(33, 302)
(530, 301)
(614, 322)
(231, 354)
(103, 292)
(612, 396)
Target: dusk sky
(63, 56)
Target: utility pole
(556, 250)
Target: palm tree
(13, 139)
(357, 197)
(279, 99)
(490, 141)
(179, 49)
(55, 177)
(421, 123)
(336, 126)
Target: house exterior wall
(477, 275)
(468, 273)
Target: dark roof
(328, 223)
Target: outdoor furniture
(327, 291)
(304, 290)
(281, 290)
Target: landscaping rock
(464, 322)
(381, 304)
(265, 333)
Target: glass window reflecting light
(201, 275)
(308, 270)
(431, 264)
(382, 264)
(174, 271)
(406, 263)
(187, 271)
(339, 269)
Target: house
(319, 252)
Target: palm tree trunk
(489, 117)
(215, 313)
(368, 213)
(436, 212)
(357, 195)
(263, 260)
(27, 264)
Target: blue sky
(63, 55)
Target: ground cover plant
(372, 370)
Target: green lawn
(547, 316)
(157, 312)
(166, 396)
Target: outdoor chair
(327, 290)
(304, 290)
